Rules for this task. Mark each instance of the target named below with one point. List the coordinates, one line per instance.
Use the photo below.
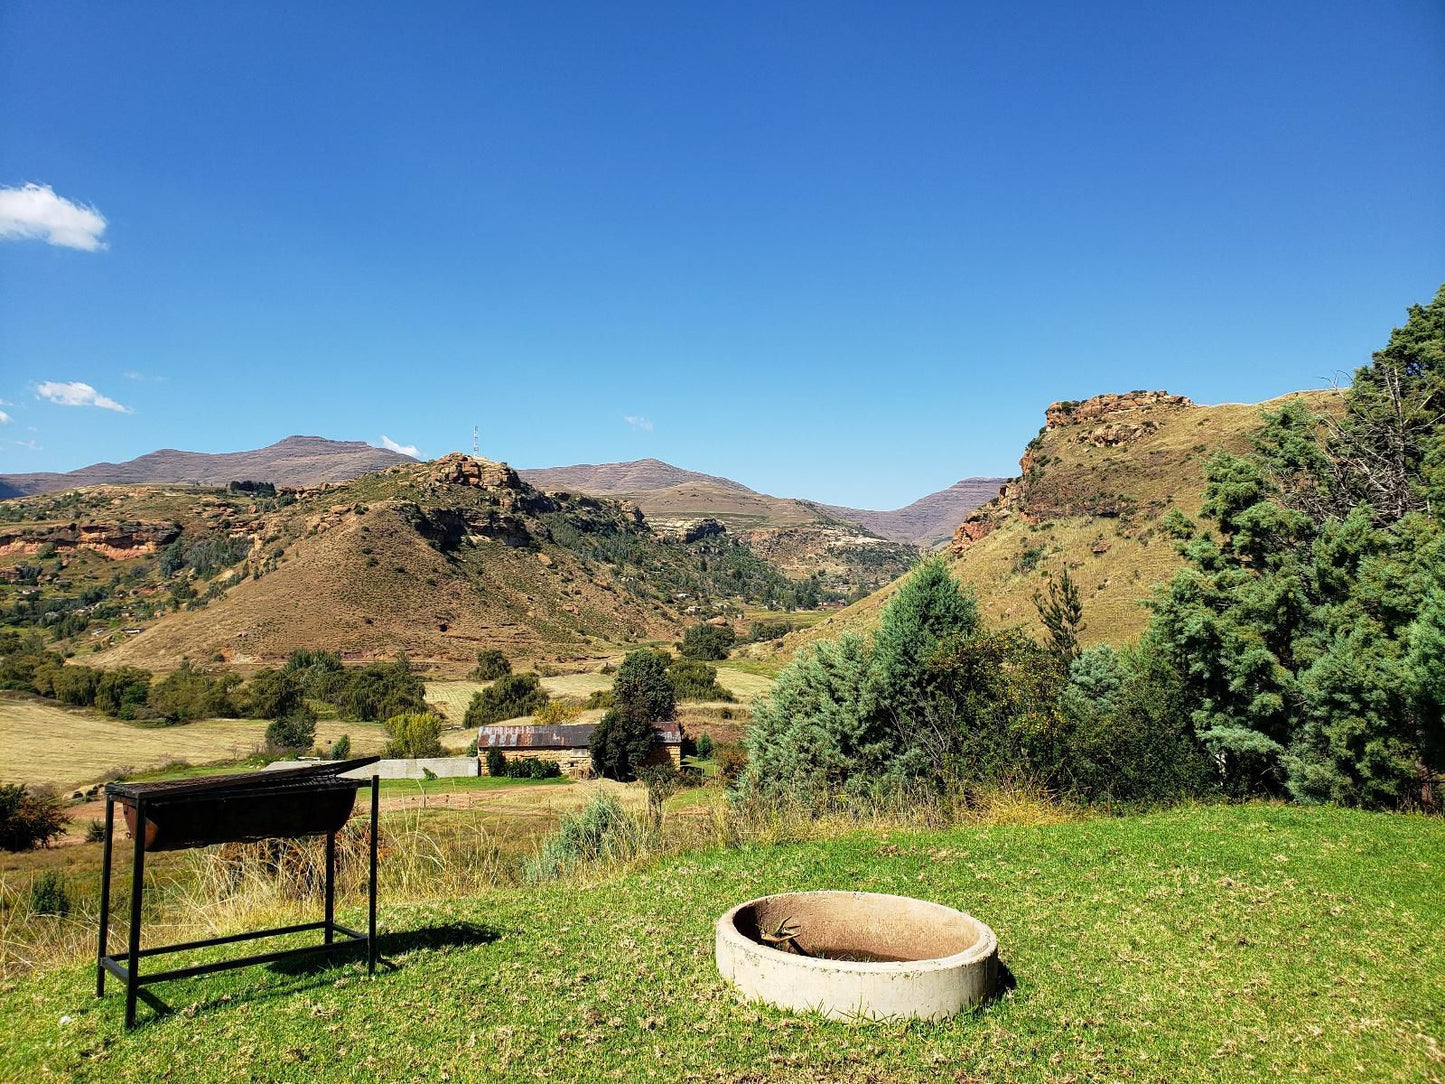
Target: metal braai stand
(282, 804)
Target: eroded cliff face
(118, 541)
(1104, 421)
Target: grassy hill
(928, 521)
(1093, 487)
(1218, 943)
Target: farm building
(569, 745)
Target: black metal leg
(104, 899)
(137, 883)
(330, 885)
(375, 830)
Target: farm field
(1210, 943)
(43, 743)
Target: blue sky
(841, 251)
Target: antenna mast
(476, 448)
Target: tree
(509, 697)
(927, 610)
(641, 690)
(123, 692)
(29, 818)
(695, 680)
(704, 745)
(491, 664)
(340, 748)
(708, 642)
(1062, 614)
(621, 744)
(270, 694)
(414, 735)
(293, 732)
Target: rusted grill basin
(857, 954)
(241, 808)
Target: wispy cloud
(33, 445)
(75, 393)
(33, 212)
(404, 449)
(638, 422)
(131, 374)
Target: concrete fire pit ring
(857, 955)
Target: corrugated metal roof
(566, 736)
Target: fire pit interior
(850, 954)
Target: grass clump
(602, 833)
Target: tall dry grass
(432, 855)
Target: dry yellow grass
(42, 743)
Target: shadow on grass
(319, 970)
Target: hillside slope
(929, 520)
(1093, 487)
(294, 461)
(615, 478)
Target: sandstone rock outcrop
(118, 541)
(1073, 412)
(457, 469)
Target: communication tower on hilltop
(476, 448)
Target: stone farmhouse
(569, 745)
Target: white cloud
(33, 445)
(74, 393)
(35, 212)
(131, 374)
(637, 421)
(404, 449)
(4, 418)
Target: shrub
(600, 832)
(496, 762)
(558, 712)
(76, 685)
(507, 698)
(416, 734)
(491, 664)
(29, 818)
(294, 732)
(187, 693)
(599, 698)
(341, 748)
(763, 631)
(95, 832)
(704, 745)
(531, 768)
(661, 781)
(695, 680)
(49, 894)
(707, 641)
(379, 690)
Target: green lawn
(1223, 943)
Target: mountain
(295, 461)
(634, 476)
(1093, 488)
(928, 521)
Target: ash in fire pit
(850, 954)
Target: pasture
(42, 743)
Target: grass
(1217, 943)
(44, 743)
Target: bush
(600, 832)
(76, 685)
(49, 894)
(292, 733)
(341, 748)
(491, 664)
(707, 641)
(695, 680)
(704, 746)
(186, 694)
(379, 690)
(763, 631)
(29, 818)
(508, 697)
(496, 762)
(270, 694)
(531, 768)
(416, 734)
(95, 832)
(558, 712)
(599, 698)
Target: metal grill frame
(125, 966)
